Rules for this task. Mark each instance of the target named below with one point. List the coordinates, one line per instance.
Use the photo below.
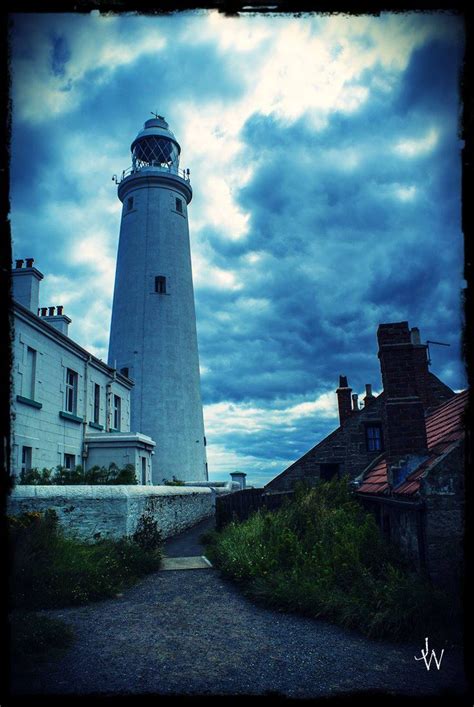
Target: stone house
(363, 434)
(68, 406)
(404, 451)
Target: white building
(69, 407)
(153, 330)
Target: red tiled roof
(446, 421)
(444, 426)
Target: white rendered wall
(123, 448)
(114, 511)
(154, 335)
(42, 428)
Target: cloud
(325, 167)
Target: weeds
(51, 570)
(323, 555)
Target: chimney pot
(19, 263)
(342, 381)
(51, 311)
(29, 262)
(355, 404)
(59, 309)
(415, 335)
(43, 311)
(369, 397)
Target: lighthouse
(153, 329)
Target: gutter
(389, 501)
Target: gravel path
(192, 632)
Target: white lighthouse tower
(153, 330)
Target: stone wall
(113, 511)
(443, 494)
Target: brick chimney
(369, 396)
(344, 400)
(404, 415)
(26, 282)
(59, 320)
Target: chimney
(239, 476)
(59, 321)
(404, 415)
(344, 400)
(355, 403)
(369, 397)
(26, 284)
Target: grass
(50, 570)
(322, 555)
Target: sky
(325, 161)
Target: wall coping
(104, 491)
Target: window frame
(160, 285)
(96, 408)
(30, 373)
(374, 442)
(69, 459)
(71, 389)
(117, 411)
(336, 470)
(26, 456)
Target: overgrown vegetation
(95, 475)
(50, 570)
(322, 555)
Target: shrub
(95, 475)
(147, 534)
(51, 570)
(323, 555)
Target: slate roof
(444, 427)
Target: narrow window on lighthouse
(130, 203)
(160, 284)
(179, 206)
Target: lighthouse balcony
(156, 167)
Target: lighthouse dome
(155, 146)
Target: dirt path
(192, 632)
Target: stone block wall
(93, 512)
(443, 494)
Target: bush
(323, 555)
(147, 534)
(96, 475)
(51, 570)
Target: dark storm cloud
(60, 54)
(347, 251)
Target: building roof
(444, 427)
(49, 330)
